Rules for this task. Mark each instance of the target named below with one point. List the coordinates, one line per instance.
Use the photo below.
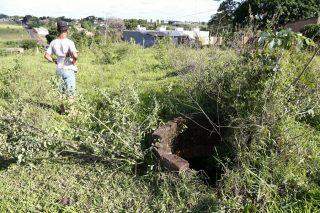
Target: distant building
(176, 23)
(8, 19)
(148, 38)
(138, 37)
(39, 34)
(299, 25)
(41, 31)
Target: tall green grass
(97, 157)
(85, 161)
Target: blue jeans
(68, 85)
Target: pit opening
(200, 142)
(192, 143)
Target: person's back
(67, 56)
(63, 49)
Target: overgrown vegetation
(118, 104)
(312, 31)
(233, 15)
(264, 98)
(268, 97)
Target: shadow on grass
(5, 163)
(84, 158)
(206, 205)
(44, 105)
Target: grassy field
(10, 32)
(96, 158)
(77, 184)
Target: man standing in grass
(67, 56)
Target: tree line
(233, 13)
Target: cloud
(191, 10)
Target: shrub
(312, 31)
(122, 124)
(12, 43)
(162, 48)
(264, 108)
(3, 52)
(81, 40)
(284, 39)
(109, 53)
(53, 33)
(29, 44)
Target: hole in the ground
(200, 143)
(192, 143)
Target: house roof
(157, 33)
(173, 33)
(42, 31)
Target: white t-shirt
(61, 47)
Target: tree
(281, 11)
(3, 16)
(115, 24)
(63, 18)
(88, 25)
(26, 19)
(32, 21)
(53, 33)
(90, 18)
(225, 14)
(132, 24)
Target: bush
(29, 44)
(81, 39)
(312, 31)
(3, 52)
(268, 112)
(122, 124)
(109, 53)
(12, 43)
(53, 33)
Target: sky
(183, 10)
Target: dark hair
(62, 26)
